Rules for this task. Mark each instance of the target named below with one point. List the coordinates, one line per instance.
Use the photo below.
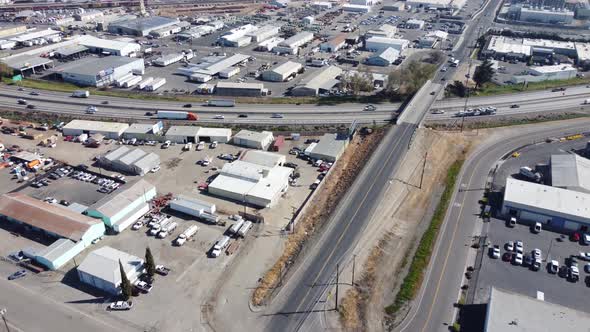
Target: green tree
(409, 79)
(125, 283)
(150, 266)
(483, 73)
(457, 88)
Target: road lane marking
(349, 223)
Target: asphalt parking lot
(520, 279)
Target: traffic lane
(33, 312)
(435, 301)
(340, 239)
(520, 279)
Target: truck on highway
(186, 235)
(221, 102)
(81, 94)
(177, 115)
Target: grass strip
(413, 279)
(491, 89)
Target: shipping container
(145, 82)
(132, 81)
(156, 84)
(278, 143)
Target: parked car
(519, 247)
(290, 165)
(137, 225)
(495, 252)
(143, 286)
(155, 169)
(517, 259)
(553, 267)
(509, 246)
(17, 275)
(120, 305)
(161, 269)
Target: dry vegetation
(339, 180)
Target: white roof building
(108, 129)
(101, 270)
(135, 162)
(264, 158)
(324, 80)
(384, 58)
(561, 208)
(297, 40)
(570, 171)
(385, 30)
(281, 72)
(264, 32)
(251, 183)
(114, 47)
(356, 8)
(377, 44)
(253, 139)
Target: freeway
(433, 308)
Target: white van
(537, 227)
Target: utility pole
(423, 169)
(3, 313)
(353, 266)
(337, 282)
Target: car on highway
(370, 108)
(34, 93)
(242, 115)
(514, 106)
(21, 101)
(437, 112)
(31, 106)
(517, 259)
(149, 113)
(187, 105)
(17, 275)
(219, 117)
(558, 90)
(105, 102)
(553, 267)
(276, 116)
(120, 305)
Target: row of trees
(150, 266)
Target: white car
(536, 253)
(510, 246)
(437, 112)
(496, 252)
(519, 247)
(553, 267)
(517, 259)
(120, 305)
(155, 169)
(219, 117)
(137, 225)
(143, 286)
(585, 256)
(586, 239)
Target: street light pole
(3, 313)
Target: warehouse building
(194, 207)
(238, 37)
(269, 44)
(546, 73)
(319, 83)
(251, 183)
(291, 45)
(363, 2)
(240, 89)
(98, 72)
(141, 26)
(253, 139)
(25, 64)
(385, 30)
(192, 134)
(543, 15)
(322, 5)
(356, 8)
(507, 311)
(378, 44)
(26, 39)
(263, 158)
(101, 269)
(122, 209)
(583, 54)
(211, 66)
(334, 44)
(384, 58)
(570, 171)
(330, 147)
(282, 72)
(145, 131)
(111, 130)
(263, 33)
(130, 161)
(551, 206)
(415, 24)
(110, 47)
(437, 4)
(73, 232)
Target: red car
(203, 186)
(507, 257)
(69, 138)
(575, 237)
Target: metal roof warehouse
(108, 129)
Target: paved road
(296, 300)
(30, 312)
(433, 307)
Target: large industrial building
(291, 45)
(130, 161)
(101, 269)
(378, 44)
(263, 33)
(385, 30)
(546, 73)
(334, 44)
(384, 58)
(111, 130)
(240, 89)
(570, 171)
(122, 209)
(192, 134)
(321, 82)
(145, 131)
(99, 72)
(282, 72)
(330, 147)
(141, 26)
(254, 140)
(72, 231)
(251, 182)
(211, 66)
(542, 15)
(507, 312)
(554, 207)
(437, 4)
(238, 37)
(521, 49)
(111, 47)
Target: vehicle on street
(511, 222)
(17, 256)
(21, 101)
(91, 109)
(276, 116)
(31, 106)
(242, 115)
(558, 90)
(553, 267)
(519, 247)
(105, 102)
(510, 246)
(186, 235)
(291, 165)
(536, 228)
(155, 169)
(17, 275)
(120, 305)
(514, 106)
(219, 117)
(143, 286)
(370, 108)
(220, 245)
(437, 112)
(166, 145)
(34, 93)
(221, 102)
(187, 105)
(81, 94)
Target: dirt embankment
(384, 265)
(336, 184)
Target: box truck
(221, 102)
(81, 94)
(186, 235)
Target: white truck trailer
(81, 94)
(186, 235)
(244, 229)
(220, 245)
(146, 81)
(236, 227)
(155, 84)
(167, 230)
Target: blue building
(73, 232)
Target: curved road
(433, 308)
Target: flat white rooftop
(100, 126)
